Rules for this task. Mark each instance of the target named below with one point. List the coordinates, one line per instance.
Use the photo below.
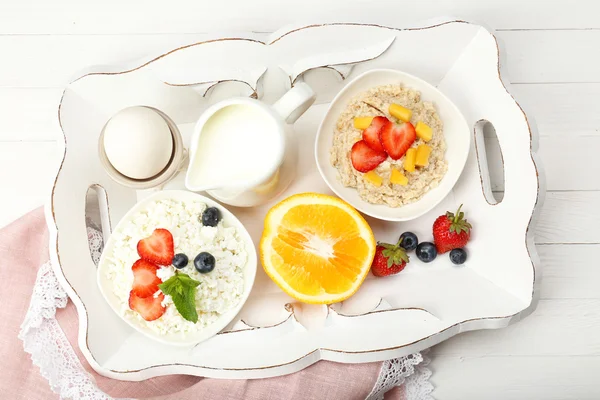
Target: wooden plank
(561, 109)
(570, 271)
(552, 56)
(27, 170)
(569, 217)
(560, 174)
(555, 328)
(51, 61)
(29, 114)
(118, 17)
(516, 378)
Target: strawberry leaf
(457, 222)
(395, 254)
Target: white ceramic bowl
(456, 133)
(249, 270)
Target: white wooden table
(553, 60)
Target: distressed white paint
(76, 34)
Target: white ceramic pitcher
(242, 152)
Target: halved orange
(316, 248)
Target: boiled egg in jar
(138, 142)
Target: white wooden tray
(387, 318)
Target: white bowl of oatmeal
(370, 95)
(221, 293)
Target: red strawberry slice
(158, 248)
(145, 281)
(148, 307)
(364, 158)
(397, 139)
(371, 134)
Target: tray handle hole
(97, 219)
(490, 160)
(326, 81)
(230, 88)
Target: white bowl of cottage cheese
(380, 181)
(222, 284)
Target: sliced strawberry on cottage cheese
(158, 248)
(145, 280)
(149, 308)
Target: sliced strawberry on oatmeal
(396, 139)
(158, 248)
(145, 281)
(364, 158)
(149, 308)
(371, 134)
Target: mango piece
(423, 131)
(398, 178)
(423, 152)
(362, 123)
(397, 111)
(373, 178)
(409, 159)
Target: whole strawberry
(389, 259)
(451, 231)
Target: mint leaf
(178, 283)
(186, 304)
(182, 289)
(187, 281)
(170, 285)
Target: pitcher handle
(295, 102)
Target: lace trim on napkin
(417, 385)
(51, 351)
(409, 370)
(48, 346)
(96, 242)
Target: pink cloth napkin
(24, 247)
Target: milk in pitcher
(240, 146)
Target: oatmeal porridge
(395, 180)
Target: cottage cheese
(219, 291)
(375, 102)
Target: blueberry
(426, 252)
(409, 241)
(204, 262)
(458, 256)
(180, 260)
(211, 216)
